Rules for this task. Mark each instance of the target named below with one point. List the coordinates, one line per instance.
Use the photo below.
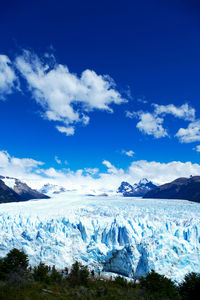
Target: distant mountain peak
(136, 190)
(50, 189)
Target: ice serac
(127, 236)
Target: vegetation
(20, 282)
(157, 286)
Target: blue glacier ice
(127, 236)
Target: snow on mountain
(51, 189)
(137, 190)
(10, 182)
(125, 187)
(112, 234)
(21, 189)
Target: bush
(189, 289)
(121, 281)
(79, 275)
(159, 287)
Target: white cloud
(197, 148)
(189, 134)
(67, 130)
(8, 79)
(129, 153)
(23, 168)
(151, 125)
(64, 96)
(58, 160)
(91, 179)
(184, 111)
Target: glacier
(126, 236)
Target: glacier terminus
(126, 236)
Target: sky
(96, 92)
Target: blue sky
(57, 106)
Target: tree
(159, 287)
(78, 275)
(55, 275)
(14, 261)
(189, 289)
(40, 273)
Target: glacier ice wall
(125, 236)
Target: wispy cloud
(8, 78)
(184, 111)
(197, 148)
(58, 160)
(129, 153)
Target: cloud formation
(8, 79)
(91, 179)
(184, 111)
(197, 148)
(65, 97)
(189, 134)
(152, 123)
(59, 162)
(129, 153)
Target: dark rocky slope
(18, 191)
(181, 188)
(7, 194)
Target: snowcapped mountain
(137, 190)
(51, 189)
(7, 194)
(16, 187)
(111, 234)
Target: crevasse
(112, 234)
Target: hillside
(181, 188)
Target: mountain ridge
(137, 190)
(14, 190)
(180, 188)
